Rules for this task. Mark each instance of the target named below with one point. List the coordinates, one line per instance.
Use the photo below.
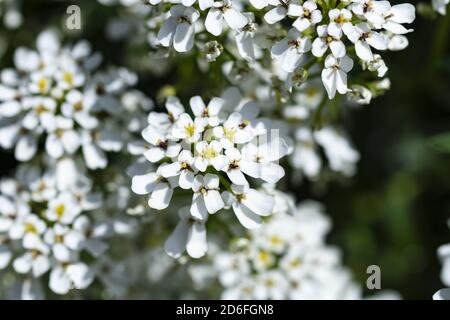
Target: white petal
(237, 177)
(338, 49)
(319, 47)
(161, 196)
(144, 184)
(247, 218)
(341, 82)
(213, 22)
(26, 148)
(363, 50)
(94, 157)
(196, 241)
(186, 179)
(329, 82)
(169, 169)
(154, 154)
(176, 243)
(259, 202)
(198, 208)
(183, 40)
(80, 274)
(166, 33)
(271, 172)
(403, 13)
(59, 281)
(276, 14)
(213, 201)
(234, 18)
(5, 256)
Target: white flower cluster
(327, 32)
(286, 259)
(53, 97)
(444, 255)
(48, 230)
(212, 153)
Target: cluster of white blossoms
(325, 32)
(286, 259)
(444, 255)
(53, 98)
(215, 151)
(48, 230)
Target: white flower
(260, 160)
(376, 64)
(96, 143)
(440, 6)
(78, 107)
(340, 21)
(189, 235)
(179, 29)
(206, 198)
(36, 261)
(187, 129)
(184, 168)
(160, 189)
(249, 205)
(63, 209)
(338, 150)
(63, 139)
(235, 130)
(160, 146)
(307, 14)
(63, 278)
(334, 75)
(209, 114)
(305, 156)
(245, 42)
(224, 10)
(325, 41)
(397, 15)
(443, 294)
(364, 38)
(209, 154)
(290, 50)
(27, 228)
(359, 94)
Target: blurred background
(394, 211)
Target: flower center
(78, 106)
(68, 77)
(30, 228)
(59, 210)
(41, 109)
(42, 85)
(233, 165)
(190, 129)
(209, 153)
(341, 20)
(229, 134)
(183, 19)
